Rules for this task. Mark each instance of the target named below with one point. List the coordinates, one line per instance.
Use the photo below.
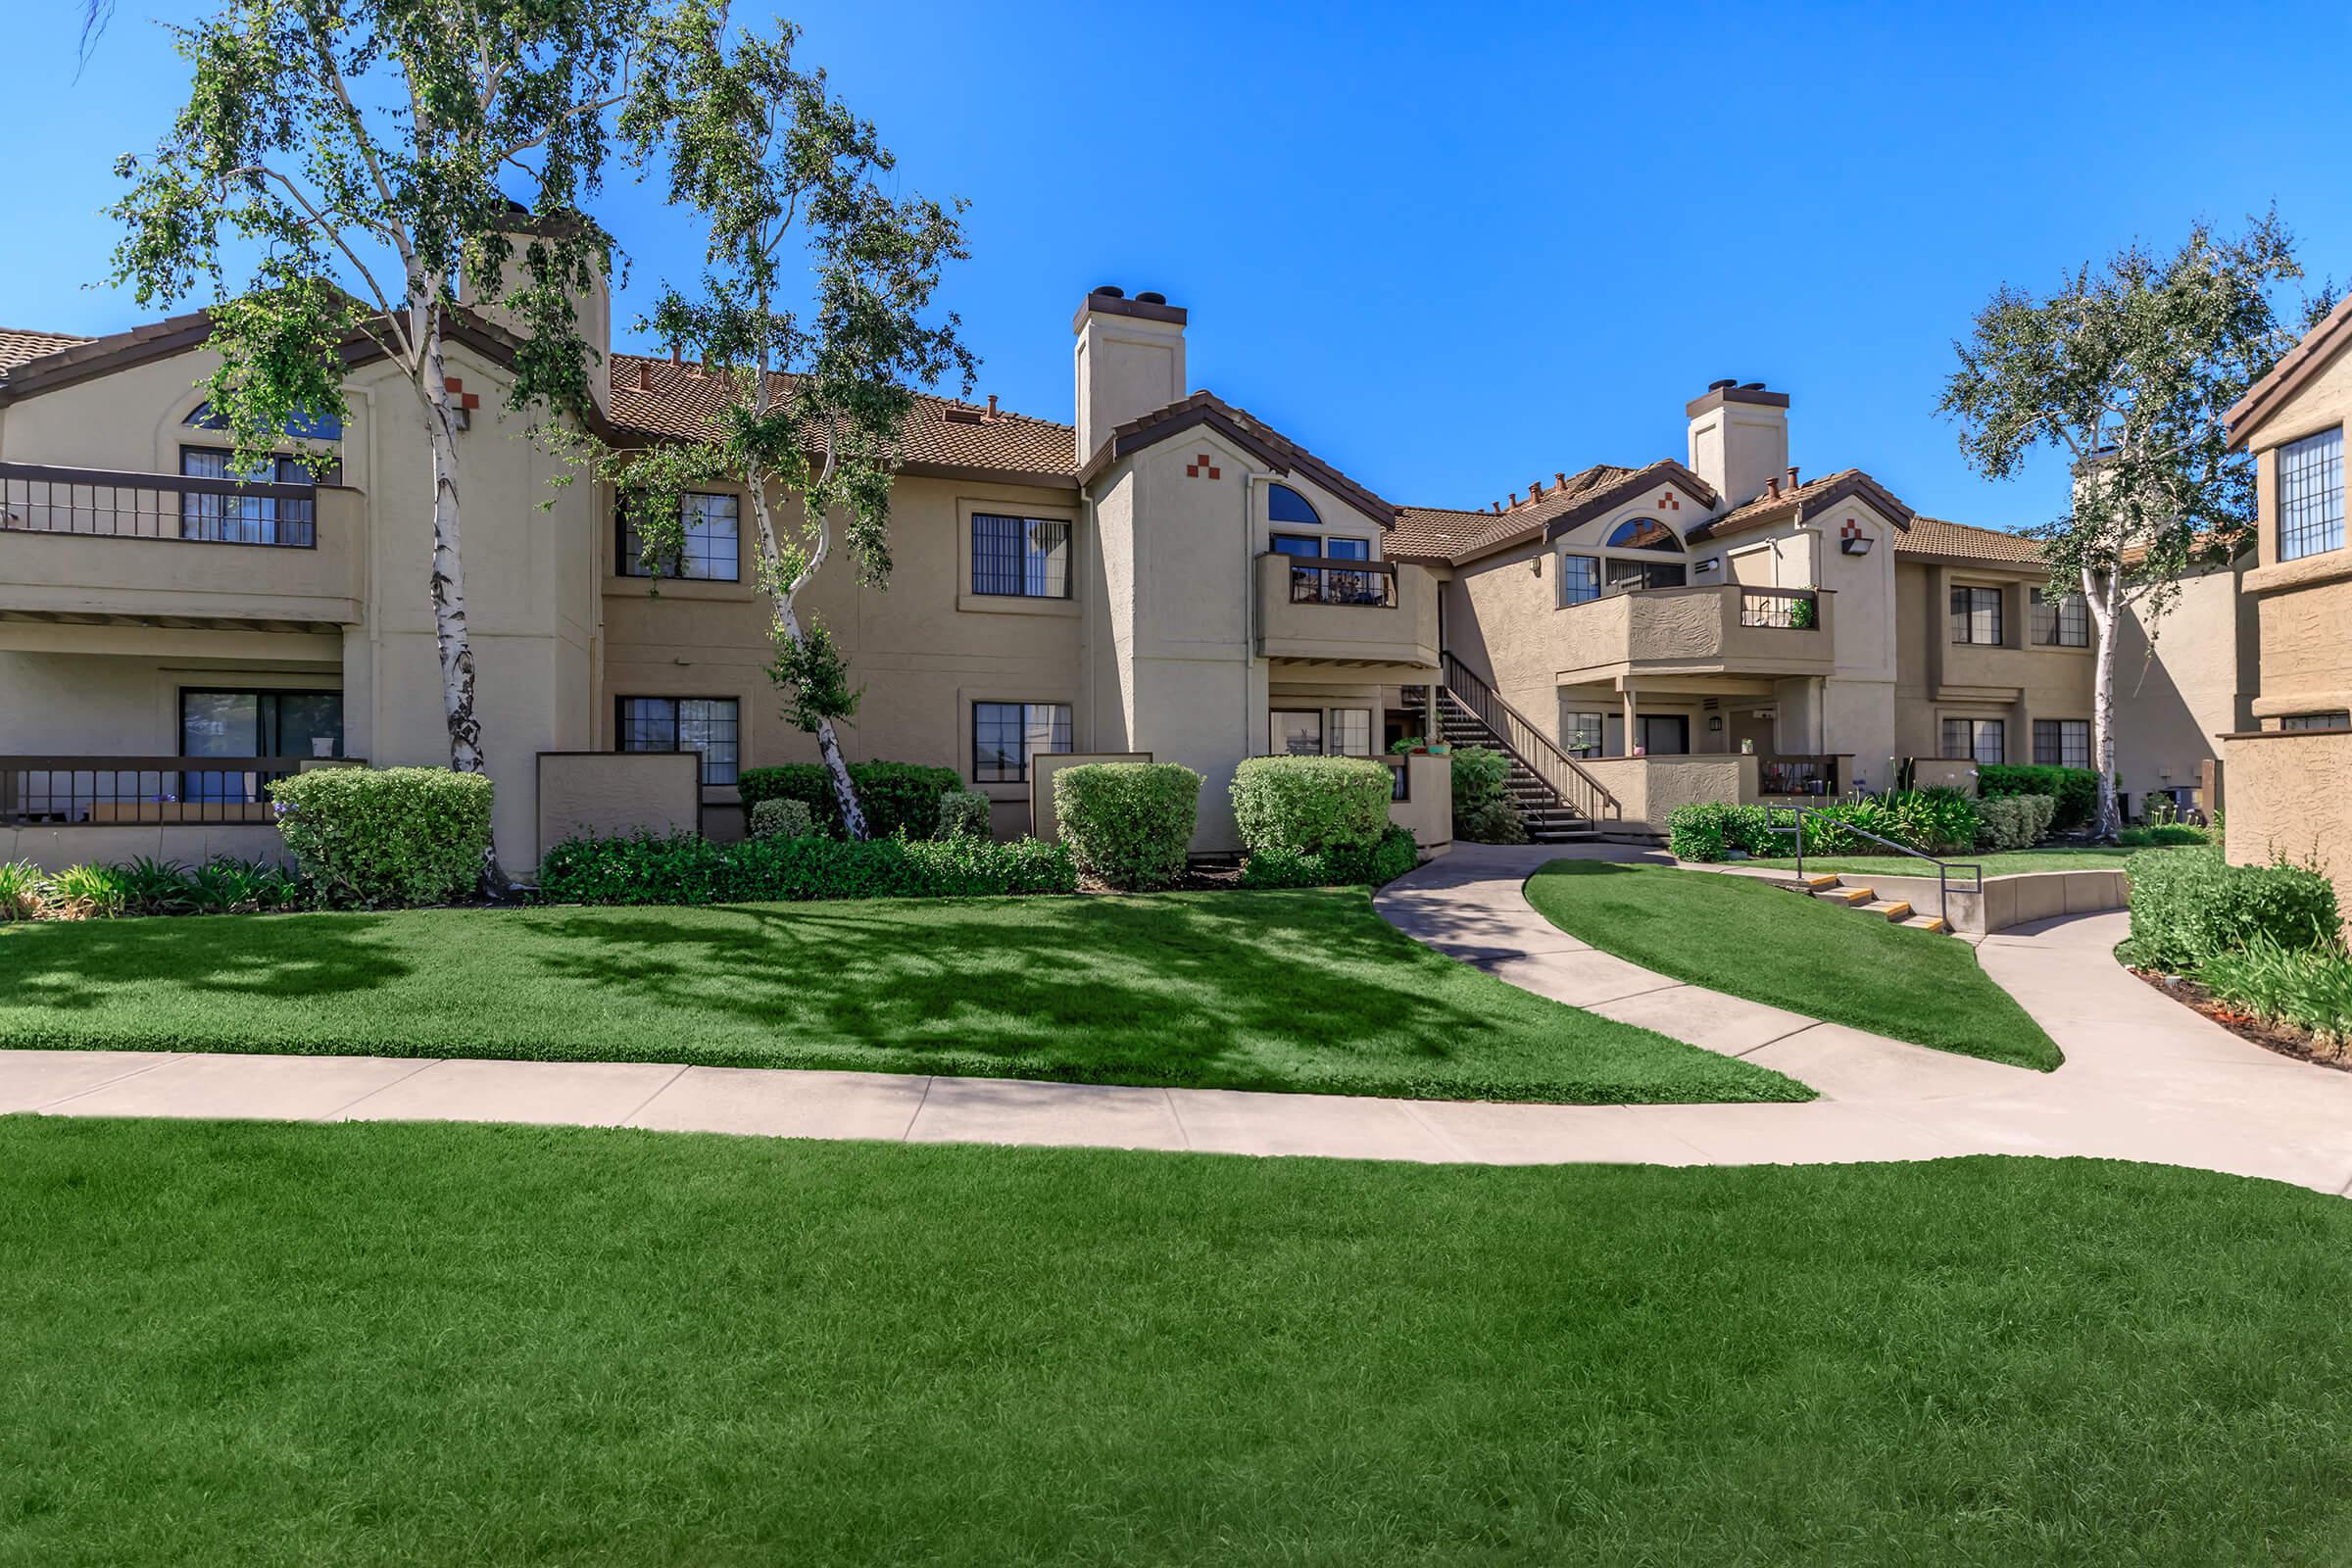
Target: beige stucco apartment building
(1164, 576)
(2288, 771)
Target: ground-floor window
(1295, 732)
(1581, 734)
(2337, 720)
(2062, 743)
(253, 723)
(1975, 740)
(1663, 734)
(1006, 735)
(1352, 732)
(710, 725)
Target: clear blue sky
(1452, 249)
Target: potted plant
(1440, 749)
(1410, 746)
(1748, 746)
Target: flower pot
(1440, 748)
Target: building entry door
(1663, 734)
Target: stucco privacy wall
(613, 794)
(1650, 788)
(2290, 798)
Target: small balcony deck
(1318, 610)
(1714, 629)
(97, 546)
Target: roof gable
(1848, 484)
(1246, 431)
(2291, 374)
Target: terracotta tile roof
(658, 397)
(1438, 533)
(1244, 429)
(19, 346)
(1957, 541)
(1822, 492)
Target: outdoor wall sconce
(1715, 724)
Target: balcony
(99, 546)
(1316, 609)
(1725, 629)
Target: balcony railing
(1787, 609)
(1323, 580)
(107, 503)
(1798, 775)
(119, 790)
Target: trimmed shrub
(965, 814)
(688, 868)
(2308, 988)
(2075, 789)
(896, 797)
(23, 891)
(1129, 823)
(1385, 861)
(2171, 835)
(1310, 804)
(1709, 830)
(1483, 810)
(2189, 907)
(776, 817)
(2014, 822)
(380, 837)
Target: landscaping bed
(2269, 1032)
(1751, 938)
(1281, 990)
(380, 1344)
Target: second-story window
(1977, 615)
(1580, 579)
(709, 550)
(1020, 558)
(2061, 620)
(244, 520)
(2311, 495)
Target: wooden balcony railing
(108, 502)
(112, 791)
(1325, 580)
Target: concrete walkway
(2146, 1078)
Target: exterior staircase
(1550, 819)
(1559, 801)
(1834, 890)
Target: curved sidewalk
(2146, 1078)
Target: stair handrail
(1521, 738)
(1944, 868)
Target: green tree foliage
(2127, 369)
(815, 391)
(337, 167)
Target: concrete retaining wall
(2006, 900)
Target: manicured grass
(1306, 990)
(1745, 935)
(1997, 862)
(380, 1344)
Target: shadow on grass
(75, 964)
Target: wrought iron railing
(1558, 772)
(107, 503)
(1798, 775)
(1323, 580)
(1787, 608)
(1795, 824)
(103, 791)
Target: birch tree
(350, 161)
(2126, 369)
(814, 390)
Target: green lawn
(1296, 990)
(381, 1344)
(1756, 940)
(1998, 862)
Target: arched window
(1644, 533)
(299, 426)
(1285, 504)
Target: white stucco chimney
(1738, 438)
(1130, 360)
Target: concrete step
(1928, 922)
(1893, 908)
(1851, 897)
(1818, 883)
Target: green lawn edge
(1288, 991)
(1752, 939)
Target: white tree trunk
(450, 635)
(788, 622)
(2103, 592)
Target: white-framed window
(2311, 495)
(1022, 558)
(1975, 740)
(709, 550)
(1006, 735)
(2062, 743)
(1580, 579)
(710, 725)
(1351, 732)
